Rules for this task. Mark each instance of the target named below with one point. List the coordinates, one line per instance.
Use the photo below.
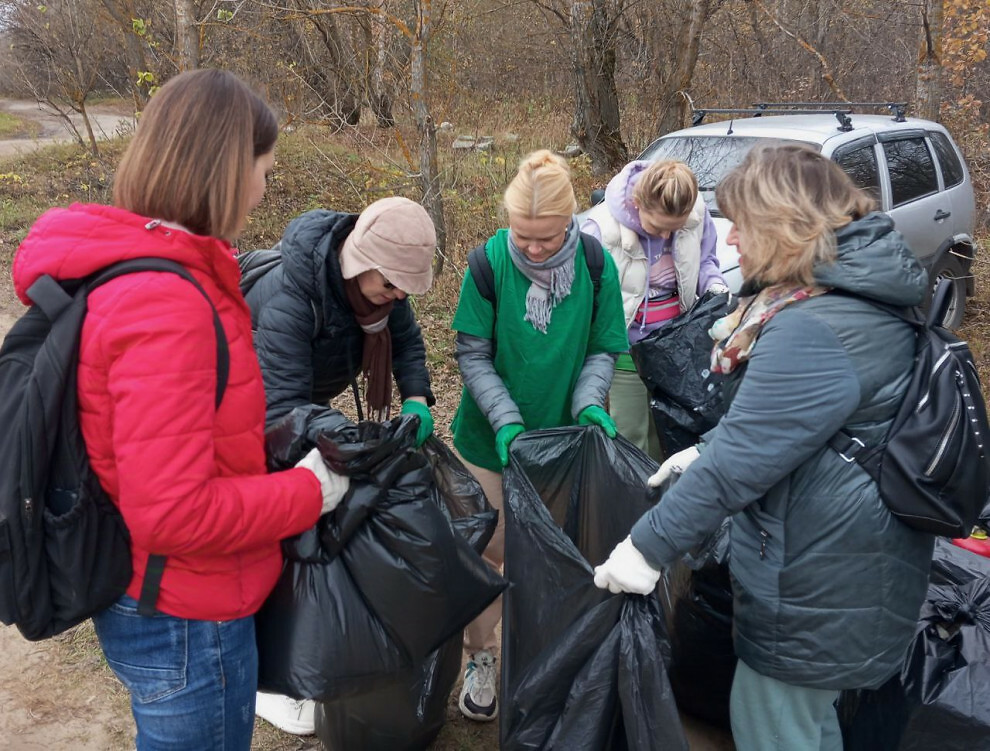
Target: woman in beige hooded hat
(329, 304)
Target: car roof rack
(841, 110)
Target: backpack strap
(482, 273)
(162, 264)
(594, 256)
(155, 567)
(848, 447)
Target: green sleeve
(474, 315)
(608, 329)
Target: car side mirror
(597, 196)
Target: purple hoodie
(619, 199)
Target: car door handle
(940, 215)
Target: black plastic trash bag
(377, 585)
(941, 699)
(697, 595)
(582, 669)
(408, 711)
(952, 564)
(674, 363)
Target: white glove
(717, 288)
(626, 570)
(333, 486)
(676, 463)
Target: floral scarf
(736, 333)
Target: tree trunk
(429, 177)
(596, 120)
(673, 105)
(93, 146)
(929, 86)
(187, 34)
(378, 93)
(343, 90)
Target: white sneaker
(291, 715)
(479, 699)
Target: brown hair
(789, 200)
(191, 160)
(541, 187)
(668, 187)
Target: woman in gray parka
(827, 584)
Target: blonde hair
(789, 200)
(541, 187)
(668, 187)
(192, 157)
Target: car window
(861, 165)
(952, 171)
(912, 171)
(710, 157)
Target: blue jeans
(192, 683)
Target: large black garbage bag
(941, 699)
(408, 711)
(952, 564)
(582, 669)
(674, 363)
(697, 595)
(377, 585)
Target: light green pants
(629, 405)
(769, 715)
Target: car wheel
(949, 267)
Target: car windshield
(709, 157)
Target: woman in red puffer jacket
(188, 476)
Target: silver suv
(912, 167)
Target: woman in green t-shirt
(557, 339)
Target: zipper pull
(764, 538)
(28, 508)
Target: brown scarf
(376, 363)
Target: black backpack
(64, 549)
(484, 277)
(932, 467)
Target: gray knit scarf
(551, 280)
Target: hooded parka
(827, 583)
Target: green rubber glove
(412, 407)
(594, 415)
(506, 435)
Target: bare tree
(419, 91)
(592, 26)
(61, 56)
(929, 91)
(121, 13)
(674, 83)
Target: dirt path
(53, 129)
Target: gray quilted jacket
(827, 583)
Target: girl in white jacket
(659, 232)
